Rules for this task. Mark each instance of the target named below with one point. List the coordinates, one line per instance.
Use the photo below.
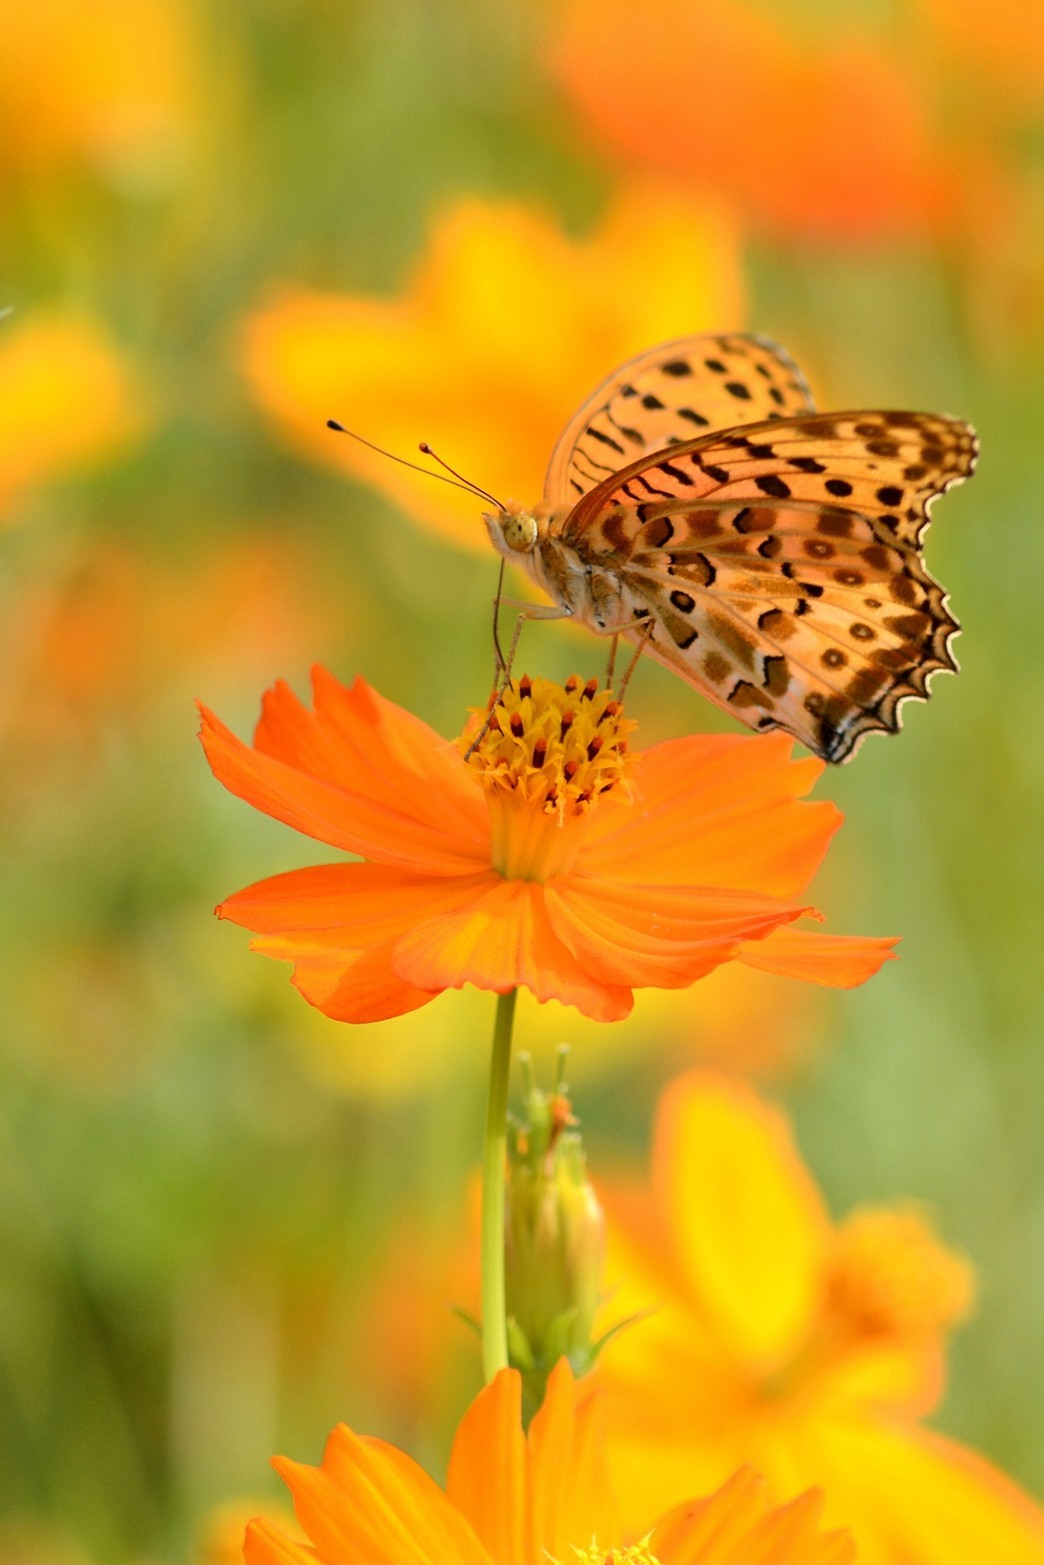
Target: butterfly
(698, 505)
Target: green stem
(494, 1310)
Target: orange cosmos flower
(552, 859)
(66, 399)
(516, 1499)
(829, 142)
(776, 1337)
(490, 387)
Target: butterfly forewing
(668, 395)
(779, 564)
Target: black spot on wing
(772, 484)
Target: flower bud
(555, 1238)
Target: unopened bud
(555, 1238)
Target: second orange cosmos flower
(550, 857)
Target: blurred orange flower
(775, 1337)
(99, 645)
(552, 859)
(823, 142)
(517, 1499)
(66, 399)
(108, 85)
(490, 385)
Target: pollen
(546, 755)
(560, 748)
(633, 1554)
(892, 1277)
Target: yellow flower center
(547, 754)
(890, 1276)
(634, 1554)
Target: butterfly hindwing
(785, 585)
(671, 394)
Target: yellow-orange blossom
(773, 1336)
(554, 858)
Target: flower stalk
(494, 1308)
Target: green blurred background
(223, 1219)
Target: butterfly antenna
(456, 481)
(424, 446)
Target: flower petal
(355, 736)
(338, 924)
(325, 784)
(267, 1545)
(749, 1223)
(911, 1494)
(734, 1524)
(838, 961)
(666, 936)
(501, 940)
(716, 810)
(364, 904)
(368, 1501)
(346, 985)
(489, 1478)
(702, 1531)
(572, 1494)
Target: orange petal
(358, 740)
(505, 939)
(267, 1545)
(749, 1225)
(346, 985)
(368, 1501)
(710, 1530)
(716, 810)
(362, 904)
(338, 924)
(734, 1527)
(572, 1494)
(488, 1479)
(913, 1495)
(838, 961)
(656, 935)
(381, 821)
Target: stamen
(541, 756)
(891, 1276)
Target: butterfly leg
(504, 665)
(611, 665)
(647, 629)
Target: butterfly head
(512, 530)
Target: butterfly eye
(518, 530)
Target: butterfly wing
(667, 395)
(780, 566)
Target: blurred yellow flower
(108, 86)
(775, 1337)
(506, 324)
(66, 399)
